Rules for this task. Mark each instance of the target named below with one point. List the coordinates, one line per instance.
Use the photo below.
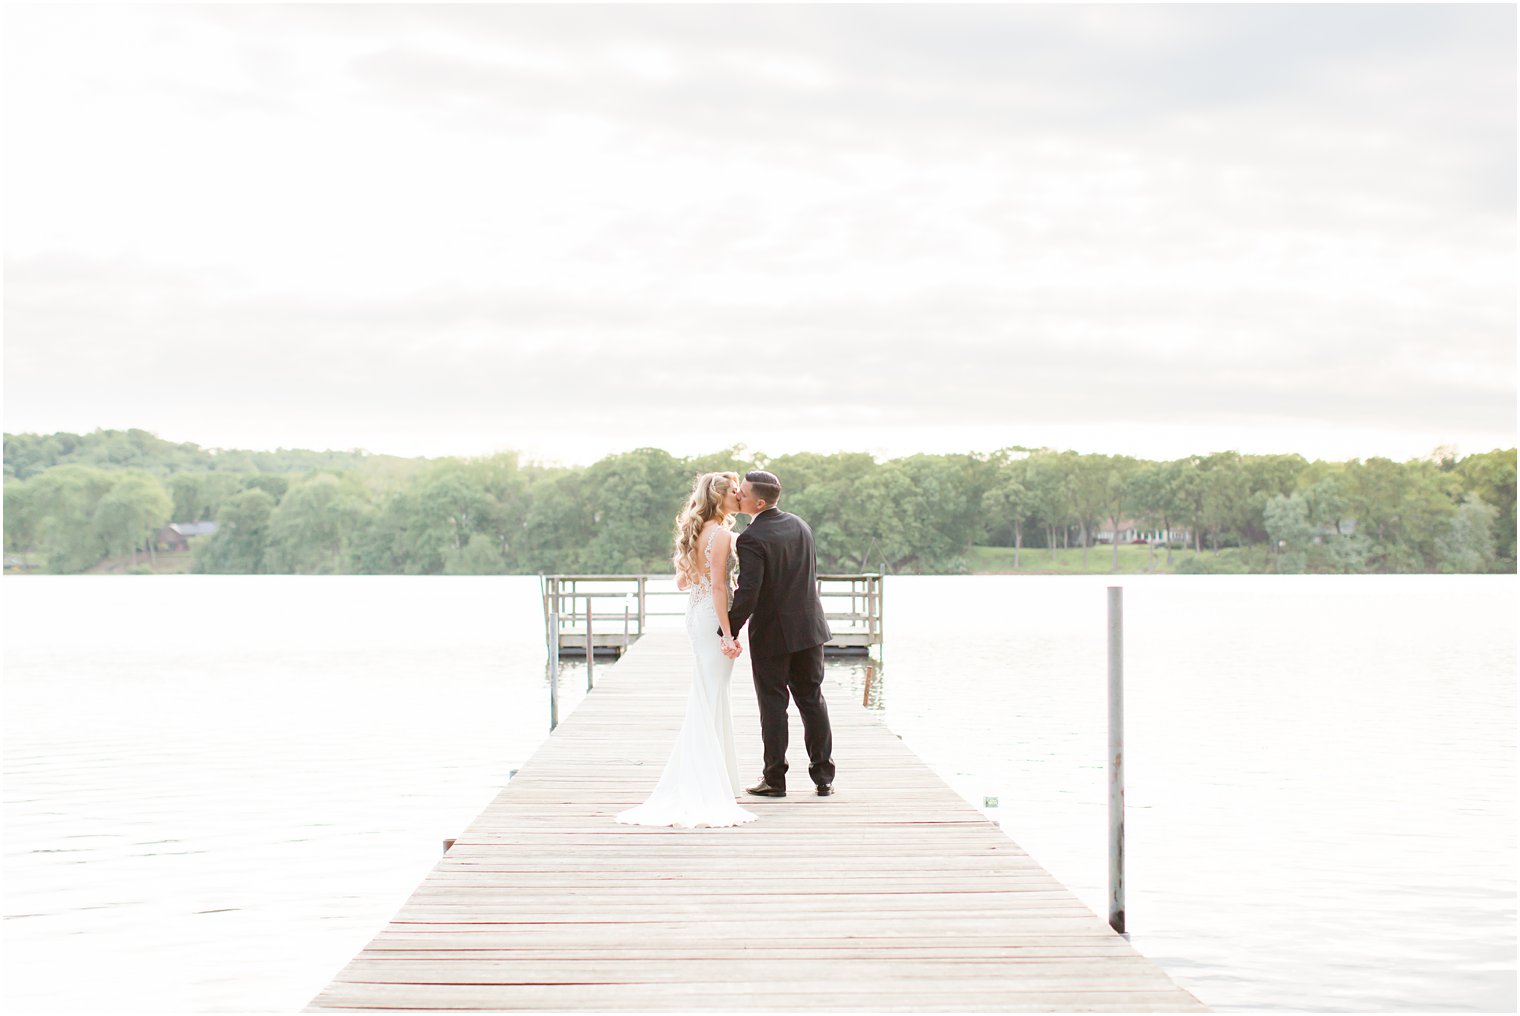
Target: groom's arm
(751, 578)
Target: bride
(701, 779)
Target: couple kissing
(777, 596)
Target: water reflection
(863, 676)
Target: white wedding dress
(701, 779)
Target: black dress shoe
(763, 789)
(826, 790)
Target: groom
(778, 592)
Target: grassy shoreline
(1133, 560)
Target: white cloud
(431, 229)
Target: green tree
(505, 482)
(1118, 473)
(1468, 545)
(1375, 496)
(20, 518)
(1190, 488)
(1401, 512)
(380, 539)
(272, 484)
(241, 541)
(1157, 499)
(197, 495)
(1011, 501)
(559, 522)
(634, 498)
(1432, 499)
(1325, 501)
(839, 496)
(1225, 502)
(64, 499)
(859, 526)
(1491, 476)
(419, 529)
(1049, 477)
(1336, 548)
(312, 525)
(481, 556)
(1266, 477)
(130, 513)
(945, 506)
(1090, 496)
(1290, 531)
(450, 507)
(805, 470)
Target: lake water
(218, 788)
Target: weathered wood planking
(894, 894)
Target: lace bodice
(702, 588)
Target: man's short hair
(764, 486)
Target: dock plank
(892, 895)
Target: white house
(1131, 531)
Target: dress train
(701, 778)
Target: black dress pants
(799, 674)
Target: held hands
(730, 646)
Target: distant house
(1131, 531)
(1344, 527)
(176, 535)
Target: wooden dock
(894, 894)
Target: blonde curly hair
(705, 504)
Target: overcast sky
(575, 230)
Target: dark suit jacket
(778, 587)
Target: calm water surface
(218, 788)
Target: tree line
(72, 500)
